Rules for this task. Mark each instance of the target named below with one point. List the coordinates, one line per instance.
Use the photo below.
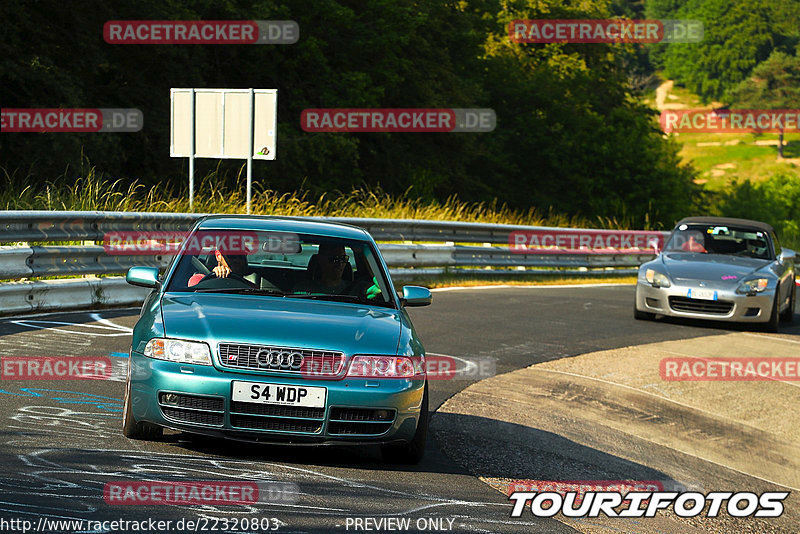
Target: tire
(788, 315)
(774, 319)
(640, 315)
(130, 428)
(412, 452)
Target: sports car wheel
(413, 451)
(640, 315)
(788, 314)
(130, 428)
(772, 324)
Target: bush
(775, 201)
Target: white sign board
(222, 123)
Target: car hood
(724, 270)
(284, 322)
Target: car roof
(726, 221)
(282, 224)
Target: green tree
(738, 34)
(773, 84)
(775, 201)
(582, 141)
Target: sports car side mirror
(142, 276)
(416, 296)
(787, 254)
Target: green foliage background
(572, 136)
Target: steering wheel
(200, 265)
(357, 288)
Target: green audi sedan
(278, 330)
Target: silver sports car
(721, 269)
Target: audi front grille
(281, 359)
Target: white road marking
(119, 330)
(48, 314)
(467, 368)
(772, 337)
(97, 318)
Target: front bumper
(205, 406)
(729, 306)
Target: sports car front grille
(366, 429)
(194, 409)
(361, 414)
(314, 362)
(275, 410)
(711, 307)
(362, 421)
(272, 423)
(198, 418)
(211, 411)
(194, 402)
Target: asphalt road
(60, 441)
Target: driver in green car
(332, 260)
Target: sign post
(191, 158)
(224, 124)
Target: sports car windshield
(724, 240)
(279, 264)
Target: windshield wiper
(242, 291)
(318, 296)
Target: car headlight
(381, 367)
(756, 285)
(176, 350)
(656, 278)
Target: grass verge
(94, 192)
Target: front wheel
(413, 451)
(640, 315)
(788, 315)
(130, 428)
(774, 318)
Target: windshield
(280, 264)
(715, 239)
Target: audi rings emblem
(279, 359)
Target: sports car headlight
(656, 278)
(381, 367)
(176, 350)
(756, 285)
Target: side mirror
(416, 296)
(143, 276)
(787, 254)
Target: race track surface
(60, 441)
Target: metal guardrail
(23, 225)
(22, 261)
